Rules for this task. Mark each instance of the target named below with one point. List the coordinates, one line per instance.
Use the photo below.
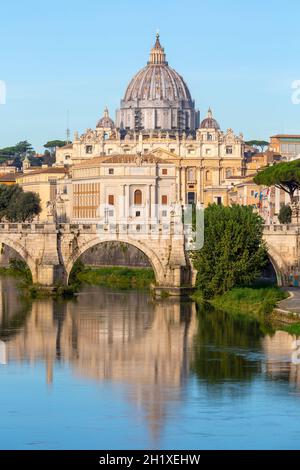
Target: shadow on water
(227, 347)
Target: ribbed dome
(209, 122)
(157, 98)
(157, 81)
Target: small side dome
(105, 122)
(209, 122)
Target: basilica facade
(157, 148)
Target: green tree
(17, 205)
(285, 214)
(233, 253)
(51, 145)
(7, 194)
(20, 149)
(261, 144)
(285, 175)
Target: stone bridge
(283, 248)
(50, 250)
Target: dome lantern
(157, 54)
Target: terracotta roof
(132, 158)
(286, 136)
(68, 146)
(121, 158)
(53, 170)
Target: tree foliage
(285, 214)
(233, 253)
(19, 149)
(285, 175)
(17, 205)
(262, 144)
(53, 144)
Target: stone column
(126, 201)
(178, 184)
(198, 185)
(183, 185)
(153, 202)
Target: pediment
(164, 154)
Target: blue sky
(240, 58)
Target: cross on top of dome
(157, 54)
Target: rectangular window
(89, 149)
(229, 150)
(191, 198)
(138, 214)
(111, 171)
(164, 171)
(164, 213)
(111, 200)
(164, 200)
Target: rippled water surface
(112, 369)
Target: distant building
(44, 182)
(287, 145)
(8, 178)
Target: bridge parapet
(27, 228)
(129, 229)
(284, 228)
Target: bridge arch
(20, 250)
(278, 263)
(155, 262)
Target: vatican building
(157, 151)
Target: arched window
(138, 197)
(209, 136)
(208, 176)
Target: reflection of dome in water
(157, 97)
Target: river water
(113, 370)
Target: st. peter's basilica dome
(157, 98)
